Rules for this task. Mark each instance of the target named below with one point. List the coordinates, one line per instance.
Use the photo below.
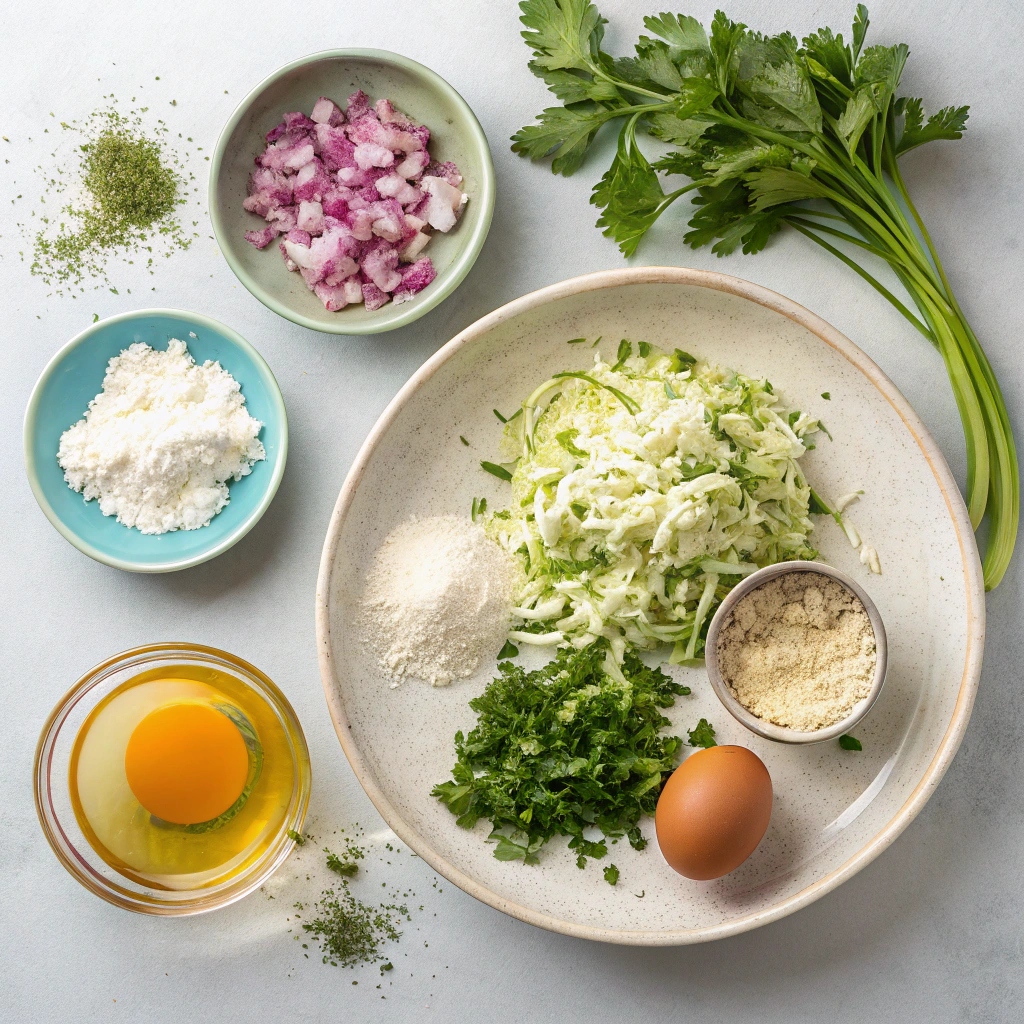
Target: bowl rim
(973, 586)
(32, 412)
(467, 255)
(76, 866)
(769, 730)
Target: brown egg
(713, 811)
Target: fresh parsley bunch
(572, 746)
(771, 132)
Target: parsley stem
(852, 239)
(798, 224)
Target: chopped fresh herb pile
(773, 132)
(572, 747)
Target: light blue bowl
(75, 376)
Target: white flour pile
(160, 441)
(438, 599)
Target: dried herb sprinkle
(130, 189)
(349, 931)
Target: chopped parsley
(351, 932)
(611, 874)
(348, 868)
(495, 470)
(702, 735)
(508, 650)
(850, 742)
(571, 748)
(624, 352)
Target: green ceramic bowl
(425, 96)
(75, 376)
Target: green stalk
(798, 223)
(1003, 498)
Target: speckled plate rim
(453, 276)
(128, 565)
(973, 582)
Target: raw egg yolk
(186, 763)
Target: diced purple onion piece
(326, 111)
(261, 239)
(373, 297)
(357, 105)
(446, 170)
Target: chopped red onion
(355, 195)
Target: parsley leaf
(850, 743)
(611, 874)
(948, 123)
(630, 196)
(702, 735)
(562, 33)
(564, 133)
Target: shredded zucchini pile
(642, 491)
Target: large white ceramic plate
(834, 811)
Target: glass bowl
(53, 797)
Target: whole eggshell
(713, 811)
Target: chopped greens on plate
(570, 748)
(773, 132)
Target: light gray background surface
(931, 931)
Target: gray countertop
(931, 931)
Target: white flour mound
(160, 441)
(438, 598)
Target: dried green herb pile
(573, 746)
(127, 191)
(349, 931)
